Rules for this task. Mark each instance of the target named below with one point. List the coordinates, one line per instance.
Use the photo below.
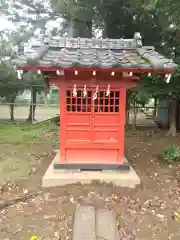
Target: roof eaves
(157, 61)
(33, 58)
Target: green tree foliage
(36, 84)
(170, 7)
(12, 43)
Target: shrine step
(84, 223)
(106, 218)
(53, 178)
(91, 224)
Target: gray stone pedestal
(54, 178)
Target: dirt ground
(144, 213)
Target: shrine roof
(94, 53)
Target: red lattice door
(92, 125)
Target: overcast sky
(4, 23)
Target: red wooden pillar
(122, 107)
(60, 82)
(62, 130)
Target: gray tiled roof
(95, 53)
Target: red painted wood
(94, 134)
(92, 131)
(55, 82)
(62, 119)
(92, 155)
(122, 106)
(46, 68)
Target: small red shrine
(93, 76)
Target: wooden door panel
(106, 122)
(106, 135)
(79, 135)
(106, 119)
(92, 122)
(95, 155)
(78, 117)
(75, 119)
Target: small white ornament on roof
(60, 72)
(168, 77)
(96, 93)
(68, 44)
(85, 91)
(113, 73)
(19, 74)
(75, 91)
(137, 35)
(108, 91)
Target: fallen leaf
(114, 197)
(57, 235)
(176, 216)
(25, 191)
(71, 199)
(117, 223)
(34, 238)
(160, 216)
(146, 202)
(2, 203)
(50, 217)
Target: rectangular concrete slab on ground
(93, 224)
(53, 178)
(84, 223)
(106, 225)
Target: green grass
(23, 133)
(17, 146)
(13, 168)
(171, 154)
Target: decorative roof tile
(95, 53)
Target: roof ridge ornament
(90, 43)
(138, 38)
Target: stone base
(53, 178)
(91, 224)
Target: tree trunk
(83, 29)
(172, 128)
(128, 106)
(134, 115)
(104, 33)
(46, 101)
(33, 105)
(127, 116)
(155, 107)
(11, 111)
(11, 99)
(71, 28)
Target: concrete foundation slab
(84, 223)
(54, 178)
(106, 227)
